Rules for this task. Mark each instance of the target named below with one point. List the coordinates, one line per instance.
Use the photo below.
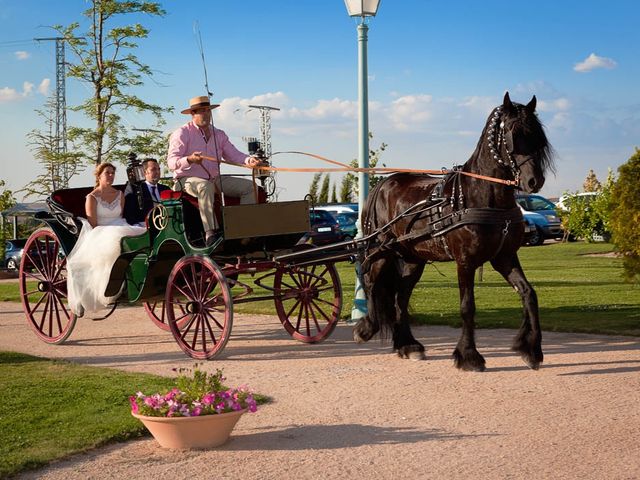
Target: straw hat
(199, 102)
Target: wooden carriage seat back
(72, 200)
(191, 209)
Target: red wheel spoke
(297, 302)
(321, 312)
(44, 306)
(196, 284)
(215, 320)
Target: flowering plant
(195, 395)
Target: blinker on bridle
(505, 139)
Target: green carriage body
(184, 286)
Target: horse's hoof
(412, 352)
(472, 362)
(357, 338)
(531, 363)
(417, 356)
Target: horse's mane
(530, 125)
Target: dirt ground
(347, 411)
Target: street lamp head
(362, 8)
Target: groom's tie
(154, 193)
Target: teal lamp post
(362, 9)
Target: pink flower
(133, 403)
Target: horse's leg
(465, 355)
(404, 342)
(528, 341)
(379, 301)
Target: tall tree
(625, 216)
(6, 201)
(374, 158)
(334, 194)
(313, 188)
(58, 167)
(106, 61)
(323, 197)
(346, 189)
(591, 183)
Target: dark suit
(132, 211)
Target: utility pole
(61, 169)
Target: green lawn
(577, 292)
(52, 409)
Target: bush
(625, 216)
(587, 216)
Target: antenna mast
(61, 170)
(265, 127)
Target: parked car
(324, 229)
(530, 231)
(335, 208)
(347, 222)
(13, 253)
(565, 201)
(542, 213)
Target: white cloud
(8, 94)
(594, 61)
(43, 88)
(22, 55)
(27, 88)
(558, 105)
(410, 111)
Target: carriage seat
(72, 200)
(190, 208)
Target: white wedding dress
(89, 263)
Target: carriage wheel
(308, 300)
(199, 308)
(43, 287)
(158, 315)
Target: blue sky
(436, 69)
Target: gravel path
(347, 411)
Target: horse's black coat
(513, 146)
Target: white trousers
(204, 190)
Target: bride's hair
(101, 168)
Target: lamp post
(362, 9)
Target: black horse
(470, 217)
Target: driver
(200, 177)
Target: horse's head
(517, 142)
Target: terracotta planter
(205, 431)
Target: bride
(89, 263)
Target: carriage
(469, 216)
(185, 287)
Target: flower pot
(205, 431)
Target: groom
(134, 212)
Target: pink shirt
(188, 139)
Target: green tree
(346, 189)
(58, 166)
(334, 194)
(374, 158)
(591, 183)
(313, 188)
(6, 201)
(587, 216)
(323, 197)
(105, 60)
(625, 216)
